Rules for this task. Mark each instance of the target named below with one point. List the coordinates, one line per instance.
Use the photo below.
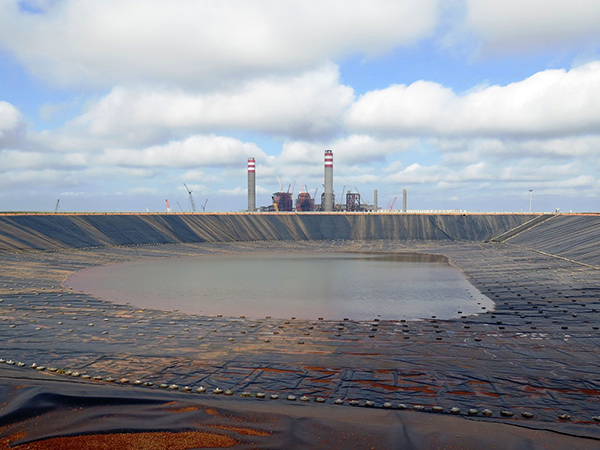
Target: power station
(283, 201)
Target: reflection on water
(302, 285)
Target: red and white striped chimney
(328, 193)
(251, 185)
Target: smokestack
(375, 200)
(251, 185)
(404, 200)
(328, 194)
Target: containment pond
(301, 285)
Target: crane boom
(192, 204)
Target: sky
(471, 105)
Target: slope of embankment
(24, 232)
(572, 236)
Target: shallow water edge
(303, 285)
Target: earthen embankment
(26, 232)
(575, 237)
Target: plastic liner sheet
(532, 363)
(21, 232)
(574, 237)
(39, 414)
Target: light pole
(530, 197)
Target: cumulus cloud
(11, 124)
(516, 25)
(483, 179)
(570, 147)
(36, 179)
(549, 103)
(198, 150)
(197, 174)
(141, 190)
(531, 170)
(500, 151)
(9, 117)
(100, 174)
(72, 194)
(419, 174)
(581, 181)
(235, 192)
(351, 150)
(90, 42)
(311, 103)
(18, 159)
(579, 186)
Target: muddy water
(305, 286)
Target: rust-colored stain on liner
(140, 441)
(244, 431)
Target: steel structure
(282, 201)
(304, 202)
(352, 201)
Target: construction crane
(180, 206)
(57, 205)
(204, 205)
(168, 206)
(393, 203)
(192, 204)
